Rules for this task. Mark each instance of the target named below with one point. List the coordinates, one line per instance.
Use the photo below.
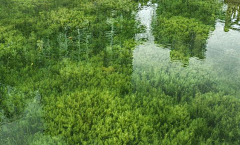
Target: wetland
(119, 72)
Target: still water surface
(124, 96)
(221, 64)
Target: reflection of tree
(185, 26)
(232, 15)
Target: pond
(119, 72)
(214, 65)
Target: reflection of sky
(234, 15)
(222, 55)
(223, 48)
(145, 15)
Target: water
(119, 72)
(145, 16)
(220, 64)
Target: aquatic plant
(63, 81)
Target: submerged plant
(64, 81)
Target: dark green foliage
(184, 26)
(221, 113)
(205, 11)
(186, 37)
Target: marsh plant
(68, 76)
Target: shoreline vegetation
(67, 76)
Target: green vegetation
(232, 16)
(67, 78)
(185, 26)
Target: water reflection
(223, 55)
(145, 16)
(232, 15)
(210, 54)
(184, 27)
